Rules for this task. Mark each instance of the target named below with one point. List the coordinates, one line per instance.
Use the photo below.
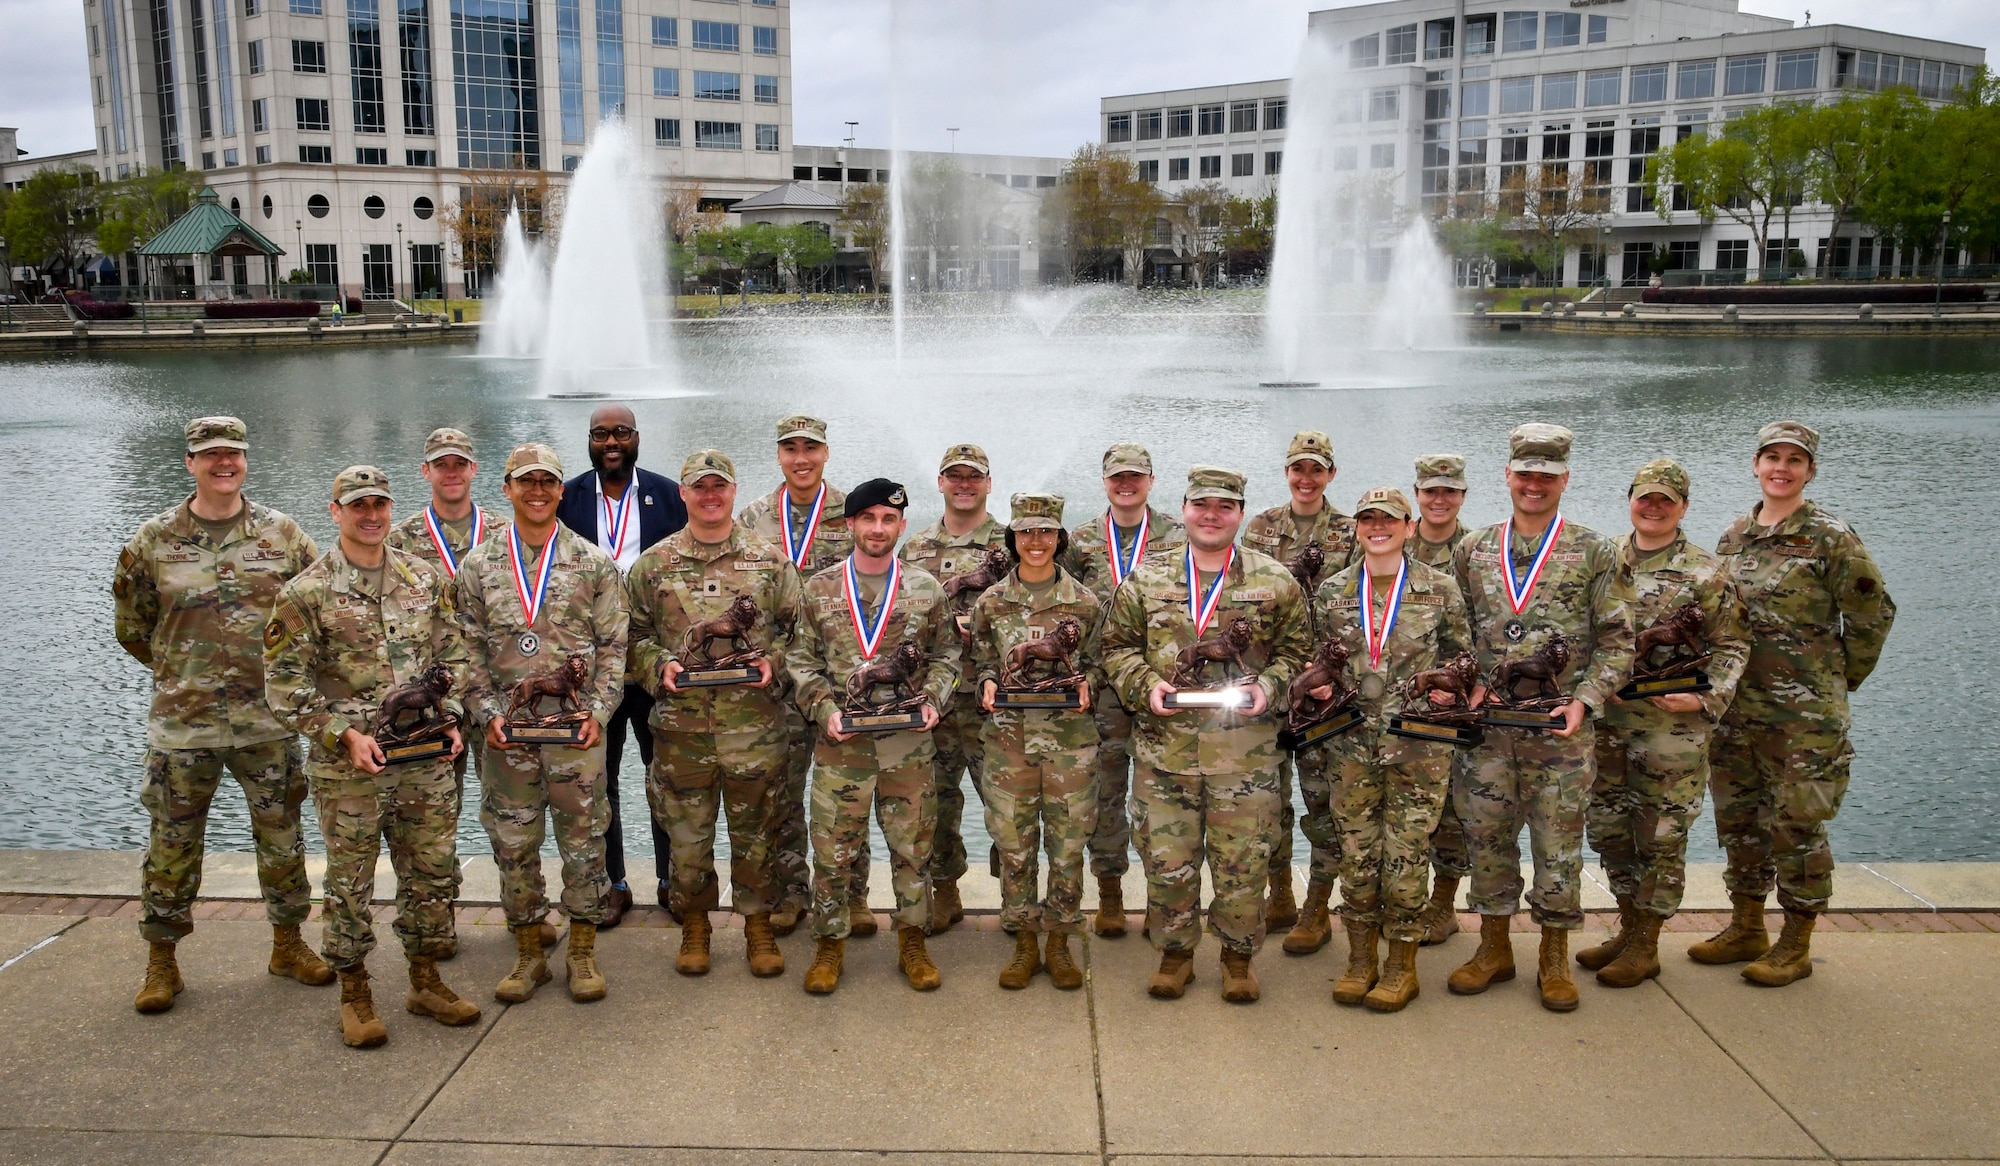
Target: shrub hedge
(1746, 295)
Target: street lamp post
(1944, 233)
(298, 240)
(6, 282)
(953, 131)
(1604, 271)
(396, 265)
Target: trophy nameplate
(569, 734)
(1320, 731)
(1418, 729)
(1233, 697)
(1666, 686)
(1424, 720)
(699, 669)
(890, 722)
(522, 724)
(424, 749)
(1679, 632)
(1503, 717)
(1031, 698)
(715, 677)
(426, 738)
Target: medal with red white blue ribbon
(1518, 592)
(799, 546)
(1376, 631)
(1123, 565)
(1201, 608)
(435, 526)
(617, 522)
(531, 597)
(870, 635)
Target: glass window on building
(1274, 161)
(1600, 29)
(1149, 170)
(413, 41)
(308, 8)
(308, 56)
(1693, 80)
(764, 40)
(1559, 91)
(1211, 166)
(1275, 109)
(1600, 86)
(767, 139)
(1385, 104)
(718, 135)
(610, 27)
(1177, 169)
(364, 66)
(424, 158)
(666, 131)
(1210, 120)
(1180, 123)
(1562, 30)
(666, 82)
(715, 36)
(313, 113)
(1400, 47)
(1242, 117)
(1798, 70)
(371, 156)
(1519, 31)
(1649, 83)
(495, 88)
(1475, 99)
(1744, 75)
(323, 263)
(260, 115)
(378, 271)
(1382, 156)
(1437, 40)
(717, 86)
(1930, 87)
(316, 155)
(767, 90)
(1517, 95)
(1364, 52)
(255, 54)
(1437, 103)
(1149, 125)
(1242, 165)
(1479, 35)
(666, 31)
(1732, 255)
(1118, 127)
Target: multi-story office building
(1450, 99)
(343, 128)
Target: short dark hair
(1062, 544)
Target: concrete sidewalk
(1885, 1054)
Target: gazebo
(174, 258)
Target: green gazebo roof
(206, 229)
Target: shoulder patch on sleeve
(1865, 585)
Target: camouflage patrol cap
(447, 442)
(1536, 448)
(1781, 433)
(1036, 512)
(707, 463)
(800, 425)
(1214, 482)
(1387, 499)
(1127, 457)
(357, 482)
(1660, 476)
(528, 458)
(216, 433)
(1310, 445)
(1441, 469)
(965, 455)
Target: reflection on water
(92, 447)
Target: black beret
(876, 492)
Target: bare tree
(1549, 210)
(864, 215)
(479, 217)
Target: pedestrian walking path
(1884, 1055)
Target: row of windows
(714, 135)
(1210, 166)
(1519, 32)
(1693, 81)
(1240, 117)
(1934, 80)
(715, 36)
(716, 86)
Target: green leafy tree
(134, 209)
(732, 249)
(796, 250)
(1751, 173)
(1102, 210)
(1248, 226)
(1477, 236)
(1851, 144)
(51, 219)
(1947, 162)
(864, 216)
(1195, 223)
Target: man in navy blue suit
(624, 510)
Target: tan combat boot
(1175, 974)
(1640, 961)
(762, 947)
(915, 960)
(360, 1028)
(785, 919)
(1063, 972)
(291, 957)
(824, 974)
(1440, 917)
(163, 979)
(429, 996)
(1744, 939)
(1239, 983)
(1281, 911)
(1314, 927)
(1492, 963)
(1361, 973)
(1398, 985)
(1601, 956)
(695, 933)
(1026, 962)
(1557, 987)
(586, 982)
(548, 934)
(531, 970)
(1790, 959)
(946, 909)
(860, 920)
(1110, 906)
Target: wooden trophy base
(717, 677)
(1418, 729)
(1028, 698)
(882, 722)
(1234, 697)
(1535, 719)
(1665, 686)
(565, 735)
(1319, 732)
(410, 752)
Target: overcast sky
(1016, 76)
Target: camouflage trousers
(1229, 819)
(416, 808)
(526, 786)
(1111, 840)
(1521, 777)
(1034, 799)
(958, 754)
(695, 776)
(1776, 784)
(1316, 781)
(180, 785)
(1386, 811)
(1451, 850)
(904, 800)
(1646, 794)
(791, 862)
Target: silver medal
(529, 643)
(1373, 686)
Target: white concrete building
(18, 165)
(342, 128)
(1445, 95)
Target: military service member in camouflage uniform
(804, 518)
(528, 598)
(1207, 778)
(1440, 494)
(1282, 532)
(722, 747)
(1527, 581)
(363, 620)
(193, 591)
(1040, 765)
(955, 544)
(1819, 614)
(1652, 754)
(864, 613)
(1102, 552)
(1395, 617)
